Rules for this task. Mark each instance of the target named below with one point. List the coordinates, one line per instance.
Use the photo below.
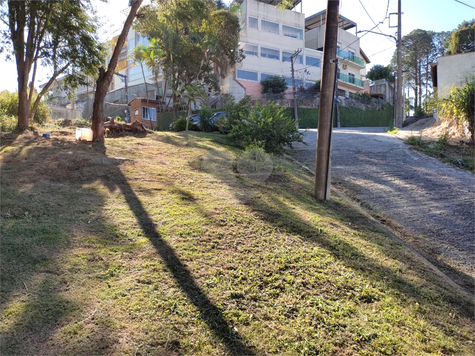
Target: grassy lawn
(173, 252)
(461, 156)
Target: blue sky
(433, 15)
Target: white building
(269, 37)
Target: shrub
(415, 141)
(267, 127)
(419, 112)
(273, 85)
(180, 124)
(205, 113)
(237, 112)
(7, 122)
(460, 105)
(9, 107)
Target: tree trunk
(105, 77)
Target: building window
(342, 92)
(271, 27)
(313, 62)
(286, 58)
(292, 32)
(250, 50)
(149, 113)
(298, 82)
(351, 77)
(270, 53)
(247, 75)
(253, 23)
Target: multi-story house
(352, 65)
(270, 36)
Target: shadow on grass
(59, 166)
(272, 210)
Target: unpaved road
(428, 198)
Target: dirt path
(434, 202)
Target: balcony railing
(351, 57)
(352, 80)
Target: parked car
(194, 122)
(213, 120)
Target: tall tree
(57, 34)
(198, 42)
(105, 76)
(418, 51)
(379, 71)
(463, 38)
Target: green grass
(175, 253)
(461, 156)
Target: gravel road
(428, 198)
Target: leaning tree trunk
(105, 77)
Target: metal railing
(351, 57)
(352, 80)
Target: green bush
(9, 107)
(180, 124)
(7, 122)
(460, 105)
(415, 141)
(267, 127)
(205, 114)
(419, 112)
(274, 84)
(237, 112)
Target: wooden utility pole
(292, 59)
(398, 104)
(323, 158)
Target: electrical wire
(465, 4)
(374, 22)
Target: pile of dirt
(431, 129)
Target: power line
(465, 4)
(374, 22)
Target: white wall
(453, 70)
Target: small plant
(419, 112)
(392, 130)
(415, 141)
(180, 124)
(205, 114)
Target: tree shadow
(54, 167)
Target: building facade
(270, 36)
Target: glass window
(250, 50)
(308, 84)
(265, 76)
(314, 62)
(253, 23)
(286, 58)
(298, 82)
(292, 32)
(270, 53)
(351, 77)
(271, 27)
(246, 75)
